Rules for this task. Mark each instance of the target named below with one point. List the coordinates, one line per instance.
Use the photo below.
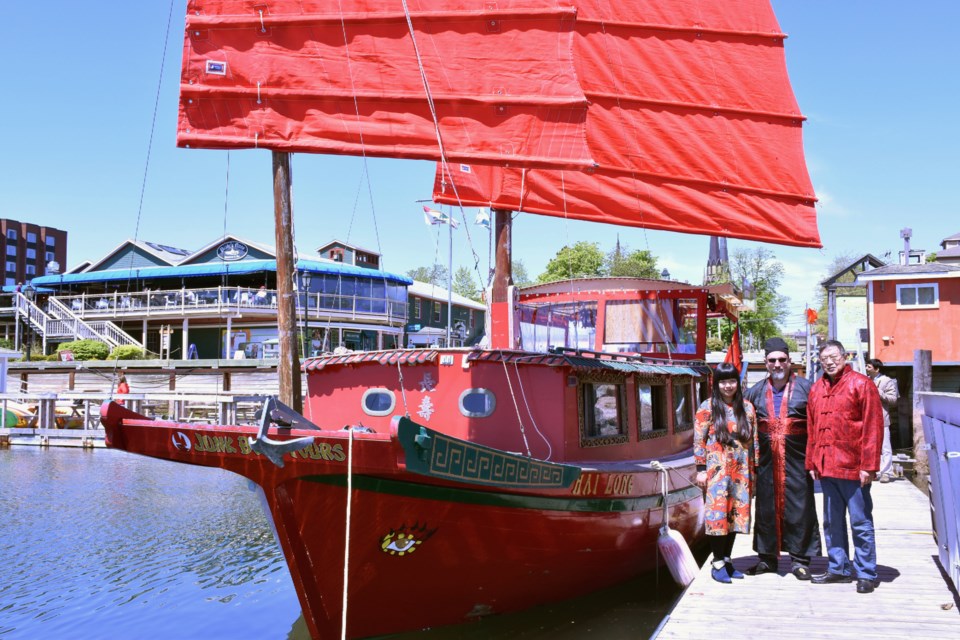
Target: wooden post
(501, 303)
(288, 369)
(922, 378)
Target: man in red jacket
(844, 436)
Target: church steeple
(718, 263)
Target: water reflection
(106, 544)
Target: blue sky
(877, 80)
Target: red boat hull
(427, 551)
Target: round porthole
(477, 403)
(378, 402)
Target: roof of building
(954, 237)
(433, 292)
(348, 245)
(215, 269)
(867, 263)
(165, 253)
(911, 271)
(952, 252)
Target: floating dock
(913, 598)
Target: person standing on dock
(785, 509)
(843, 452)
(724, 446)
(122, 386)
(889, 394)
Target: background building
(29, 248)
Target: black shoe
(762, 567)
(800, 572)
(830, 578)
(865, 586)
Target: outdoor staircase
(59, 323)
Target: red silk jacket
(844, 426)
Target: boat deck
(913, 599)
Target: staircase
(60, 323)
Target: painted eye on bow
(404, 541)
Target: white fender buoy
(671, 545)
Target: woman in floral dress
(725, 448)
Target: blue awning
(217, 269)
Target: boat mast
(289, 367)
(501, 290)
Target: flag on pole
(734, 354)
(483, 218)
(432, 216)
(812, 316)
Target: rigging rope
(523, 394)
(346, 544)
(523, 433)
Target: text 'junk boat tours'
(429, 487)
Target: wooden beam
(288, 369)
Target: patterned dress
(730, 471)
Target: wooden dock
(913, 599)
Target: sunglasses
(776, 360)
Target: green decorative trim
(491, 499)
(434, 454)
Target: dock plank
(912, 598)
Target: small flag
(483, 218)
(812, 316)
(734, 354)
(432, 216)
(465, 168)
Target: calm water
(105, 544)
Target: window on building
(49, 256)
(477, 403)
(416, 308)
(918, 296)
(31, 254)
(11, 249)
(31, 237)
(11, 267)
(12, 234)
(51, 241)
(436, 311)
(604, 411)
(10, 281)
(651, 410)
(31, 270)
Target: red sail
(692, 122)
(344, 77)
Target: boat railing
(941, 429)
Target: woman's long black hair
(726, 371)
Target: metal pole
(450, 280)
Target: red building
(914, 306)
(28, 250)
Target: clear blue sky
(877, 80)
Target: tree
(436, 275)
(465, 285)
(759, 269)
(582, 260)
(631, 264)
(520, 275)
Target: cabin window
(703, 390)
(683, 408)
(379, 402)
(604, 412)
(477, 403)
(661, 325)
(652, 410)
(918, 296)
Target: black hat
(775, 344)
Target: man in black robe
(786, 516)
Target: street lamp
(305, 279)
(29, 292)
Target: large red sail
(344, 77)
(692, 122)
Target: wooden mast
(289, 367)
(501, 290)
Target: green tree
(520, 275)
(631, 264)
(582, 260)
(465, 285)
(436, 275)
(760, 271)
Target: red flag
(811, 316)
(734, 354)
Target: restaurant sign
(232, 251)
